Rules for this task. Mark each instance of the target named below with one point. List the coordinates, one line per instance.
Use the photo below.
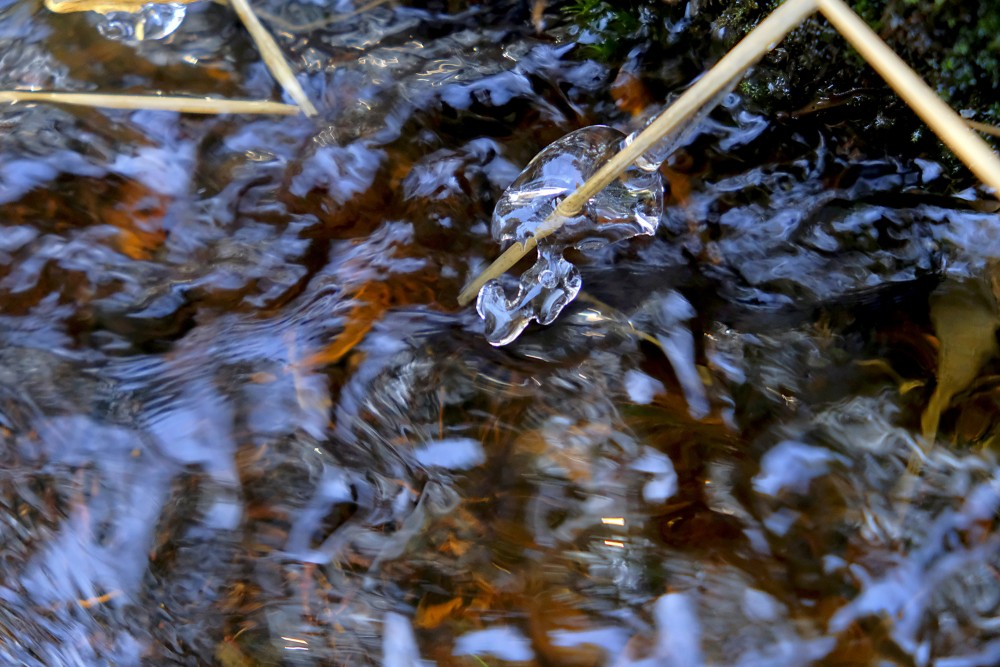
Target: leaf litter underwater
(243, 421)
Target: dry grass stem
(955, 132)
(204, 105)
(101, 6)
(675, 119)
(984, 128)
(951, 128)
(273, 57)
(500, 266)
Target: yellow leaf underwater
(965, 318)
(432, 615)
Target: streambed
(243, 420)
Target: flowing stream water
(244, 422)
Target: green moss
(607, 31)
(955, 46)
(737, 18)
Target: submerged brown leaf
(630, 93)
(138, 215)
(371, 302)
(432, 615)
(228, 654)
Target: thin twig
(500, 266)
(272, 55)
(204, 105)
(101, 6)
(951, 128)
(733, 66)
(954, 131)
(985, 128)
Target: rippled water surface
(244, 422)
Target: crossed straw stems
(700, 97)
(269, 50)
(942, 119)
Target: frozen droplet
(629, 206)
(506, 318)
(154, 21)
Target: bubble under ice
(154, 21)
(630, 206)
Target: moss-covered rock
(813, 72)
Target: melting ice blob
(630, 206)
(154, 21)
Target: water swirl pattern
(630, 206)
(242, 421)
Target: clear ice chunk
(630, 206)
(154, 21)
